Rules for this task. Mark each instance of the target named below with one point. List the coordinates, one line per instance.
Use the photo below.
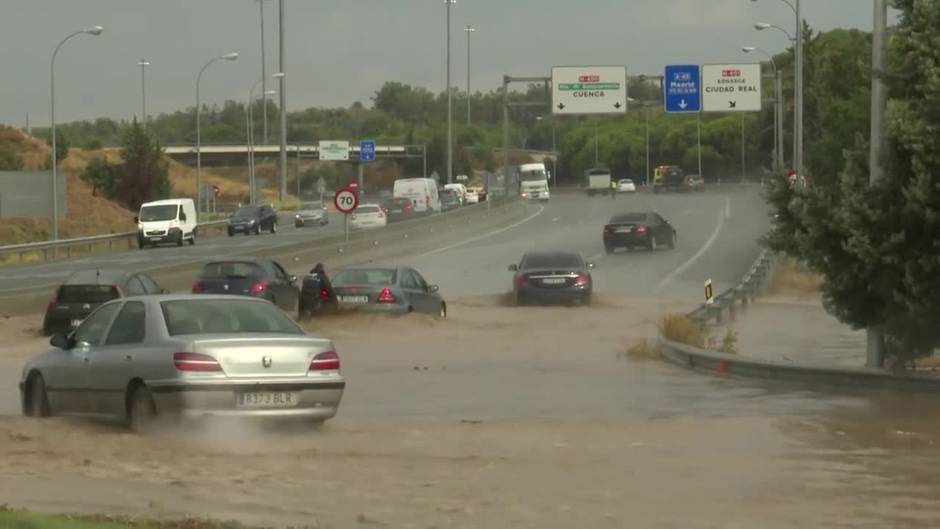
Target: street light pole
(282, 69)
(95, 31)
(252, 166)
(778, 108)
(797, 86)
(469, 29)
(143, 63)
(264, 74)
(798, 125)
(226, 57)
(450, 113)
(875, 347)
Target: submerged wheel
(38, 404)
(141, 411)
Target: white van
(461, 191)
(166, 221)
(422, 192)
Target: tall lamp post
(226, 57)
(143, 63)
(469, 29)
(875, 346)
(778, 107)
(93, 30)
(450, 113)
(251, 131)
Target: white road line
(722, 215)
(483, 236)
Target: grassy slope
(26, 520)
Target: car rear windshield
(366, 276)
(367, 209)
(231, 269)
(310, 206)
(552, 261)
(225, 316)
(158, 213)
(246, 213)
(87, 293)
(628, 217)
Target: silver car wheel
(142, 413)
(38, 399)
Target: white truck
(533, 182)
(598, 180)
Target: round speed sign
(345, 201)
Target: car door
(66, 380)
(285, 292)
(431, 300)
(416, 290)
(111, 365)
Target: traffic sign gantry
(682, 88)
(589, 90)
(731, 88)
(346, 200)
(367, 151)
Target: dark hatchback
(638, 230)
(398, 209)
(255, 277)
(253, 219)
(449, 201)
(561, 277)
(85, 290)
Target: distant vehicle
(153, 358)
(597, 180)
(393, 290)
(552, 277)
(460, 190)
(166, 221)
(86, 290)
(638, 230)
(625, 185)
(399, 209)
(696, 183)
(422, 192)
(533, 182)
(368, 216)
(472, 197)
(450, 200)
(252, 219)
(670, 178)
(249, 276)
(311, 214)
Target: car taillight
(325, 294)
(408, 205)
(427, 200)
(195, 362)
(582, 280)
(606, 230)
(381, 214)
(259, 287)
(328, 361)
(522, 280)
(641, 229)
(386, 296)
(197, 288)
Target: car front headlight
(252, 221)
(140, 225)
(297, 216)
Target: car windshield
(231, 269)
(552, 261)
(87, 293)
(365, 277)
(158, 213)
(225, 316)
(246, 213)
(628, 217)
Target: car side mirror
(136, 220)
(513, 268)
(433, 288)
(590, 266)
(60, 341)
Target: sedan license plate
(624, 230)
(76, 323)
(155, 238)
(267, 399)
(354, 299)
(553, 280)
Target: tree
(10, 159)
(99, 174)
(143, 176)
(876, 246)
(61, 145)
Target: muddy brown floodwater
(503, 417)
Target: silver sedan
(171, 356)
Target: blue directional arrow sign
(367, 151)
(682, 88)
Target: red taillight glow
(386, 296)
(196, 362)
(328, 361)
(259, 287)
(427, 199)
(606, 230)
(522, 280)
(582, 280)
(197, 288)
(408, 206)
(325, 294)
(641, 229)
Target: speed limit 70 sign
(345, 201)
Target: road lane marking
(483, 236)
(722, 215)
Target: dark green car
(449, 201)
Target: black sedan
(249, 276)
(85, 290)
(253, 219)
(638, 230)
(552, 277)
(399, 209)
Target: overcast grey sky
(340, 51)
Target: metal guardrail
(50, 249)
(753, 283)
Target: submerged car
(638, 230)
(311, 214)
(391, 289)
(257, 277)
(172, 356)
(559, 277)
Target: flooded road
(515, 417)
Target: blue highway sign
(367, 151)
(682, 88)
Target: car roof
(373, 267)
(97, 277)
(240, 260)
(551, 255)
(166, 202)
(629, 217)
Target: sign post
(346, 200)
(589, 90)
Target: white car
(626, 185)
(368, 216)
(472, 197)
